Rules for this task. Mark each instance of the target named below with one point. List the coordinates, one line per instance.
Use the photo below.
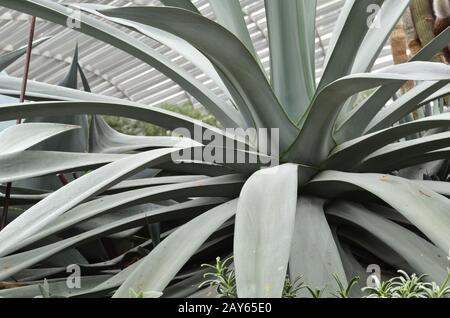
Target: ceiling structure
(113, 72)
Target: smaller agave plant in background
(348, 190)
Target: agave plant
(348, 190)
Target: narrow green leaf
(426, 209)
(406, 104)
(159, 267)
(291, 25)
(350, 153)
(354, 123)
(314, 254)
(421, 255)
(21, 137)
(8, 58)
(315, 140)
(72, 194)
(245, 80)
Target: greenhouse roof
(115, 73)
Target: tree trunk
(399, 51)
(422, 15)
(411, 34)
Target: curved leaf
(12, 264)
(390, 156)
(423, 256)
(404, 105)
(349, 33)
(29, 164)
(224, 112)
(353, 124)
(77, 191)
(314, 254)
(158, 268)
(245, 80)
(348, 154)
(21, 137)
(100, 30)
(104, 139)
(426, 209)
(154, 115)
(264, 230)
(8, 58)
(319, 122)
(291, 25)
(227, 186)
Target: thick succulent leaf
(230, 15)
(348, 154)
(158, 268)
(291, 25)
(417, 166)
(22, 199)
(8, 58)
(21, 137)
(77, 191)
(370, 243)
(349, 32)
(352, 267)
(264, 230)
(29, 164)
(444, 91)
(6, 100)
(151, 182)
(353, 124)
(74, 141)
(389, 158)
(421, 255)
(227, 186)
(104, 139)
(12, 264)
(406, 104)
(57, 287)
(426, 209)
(376, 38)
(182, 4)
(245, 80)
(154, 115)
(113, 283)
(100, 30)
(224, 112)
(436, 186)
(42, 91)
(314, 254)
(318, 123)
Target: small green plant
(382, 290)
(433, 290)
(409, 286)
(344, 292)
(292, 287)
(223, 279)
(315, 292)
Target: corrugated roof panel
(113, 72)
